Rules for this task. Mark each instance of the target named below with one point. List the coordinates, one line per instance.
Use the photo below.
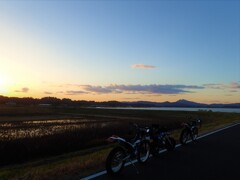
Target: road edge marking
(164, 150)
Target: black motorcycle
(128, 150)
(160, 139)
(190, 131)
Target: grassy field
(80, 160)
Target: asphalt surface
(214, 157)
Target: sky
(121, 50)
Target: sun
(2, 87)
(4, 82)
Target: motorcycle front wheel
(184, 137)
(194, 134)
(170, 144)
(115, 161)
(143, 151)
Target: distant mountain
(186, 103)
(148, 104)
(179, 103)
(233, 105)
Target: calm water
(235, 110)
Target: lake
(229, 110)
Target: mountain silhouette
(82, 103)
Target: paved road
(213, 157)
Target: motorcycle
(160, 139)
(128, 150)
(190, 131)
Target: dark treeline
(53, 101)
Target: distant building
(11, 103)
(44, 105)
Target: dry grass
(70, 166)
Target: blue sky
(48, 45)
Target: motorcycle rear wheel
(115, 162)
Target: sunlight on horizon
(4, 83)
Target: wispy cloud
(46, 92)
(60, 92)
(213, 86)
(233, 91)
(143, 89)
(150, 90)
(23, 90)
(97, 89)
(142, 66)
(75, 92)
(232, 85)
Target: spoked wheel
(115, 161)
(170, 144)
(184, 137)
(194, 134)
(143, 151)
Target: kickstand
(134, 166)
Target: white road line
(213, 132)
(94, 175)
(162, 151)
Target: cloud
(156, 89)
(60, 92)
(233, 91)
(23, 90)
(232, 85)
(142, 89)
(152, 89)
(213, 86)
(97, 89)
(142, 66)
(46, 92)
(75, 92)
